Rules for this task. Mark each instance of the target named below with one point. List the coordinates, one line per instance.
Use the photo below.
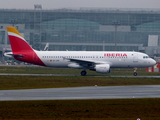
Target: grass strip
(111, 109)
(32, 82)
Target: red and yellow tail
(21, 49)
(18, 43)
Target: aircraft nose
(154, 62)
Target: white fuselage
(115, 59)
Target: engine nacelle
(102, 68)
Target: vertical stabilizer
(18, 43)
(21, 50)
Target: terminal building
(85, 29)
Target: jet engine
(102, 68)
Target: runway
(129, 76)
(74, 93)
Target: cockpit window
(145, 57)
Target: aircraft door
(135, 57)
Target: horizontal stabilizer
(16, 55)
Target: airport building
(85, 29)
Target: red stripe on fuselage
(21, 47)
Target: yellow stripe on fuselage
(13, 30)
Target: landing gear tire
(83, 73)
(135, 74)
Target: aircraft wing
(85, 63)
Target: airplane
(99, 61)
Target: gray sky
(54, 4)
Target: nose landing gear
(135, 72)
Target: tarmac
(76, 93)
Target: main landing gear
(135, 72)
(83, 73)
